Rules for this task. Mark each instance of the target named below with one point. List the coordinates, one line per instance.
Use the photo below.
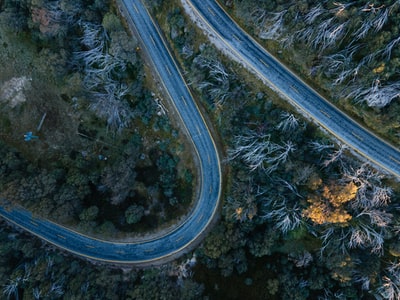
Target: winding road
(287, 84)
(178, 239)
(268, 69)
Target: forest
(80, 88)
(302, 217)
(347, 50)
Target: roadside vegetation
(302, 215)
(302, 218)
(31, 269)
(347, 50)
(85, 137)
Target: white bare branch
(272, 28)
(340, 64)
(390, 289)
(314, 13)
(377, 95)
(363, 30)
(387, 52)
(377, 217)
(218, 82)
(285, 218)
(319, 147)
(187, 51)
(252, 148)
(290, 187)
(381, 196)
(108, 104)
(302, 259)
(288, 122)
(257, 151)
(380, 19)
(363, 236)
(335, 156)
(279, 154)
(36, 293)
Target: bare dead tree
(390, 286)
(319, 147)
(252, 148)
(58, 12)
(284, 216)
(187, 51)
(259, 16)
(363, 280)
(377, 95)
(390, 289)
(340, 64)
(336, 33)
(363, 175)
(161, 109)
(381, 196)
(304, 173)
(377, 217)
(302, 259)
(337, 236)
(371, 199)
(322, 33)
(256, 150)
(363, 30)
(108, 105)
(11, 288)
(278, 155)
(94, 36)
(288, 122)
(335, 156)
(305, 35)
(313, 14)
(271, 27)
(364, 236)
(100, 73)
(217, 85)
(387, 52)
(36, 293)
(380, 19)
(394, 269)
(292, 188)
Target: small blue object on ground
(29, 136)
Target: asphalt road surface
(178, 239)
(302, 96)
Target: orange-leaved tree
(329, 207)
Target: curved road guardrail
(302, 96)
(178, 239)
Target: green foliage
(134, 213)
(111, 23)
(77, 164)
(266, 205)
(89, 214)
(39, 272)
(261, 219)
(272, 286)
(262, 244)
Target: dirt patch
(13, 90)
